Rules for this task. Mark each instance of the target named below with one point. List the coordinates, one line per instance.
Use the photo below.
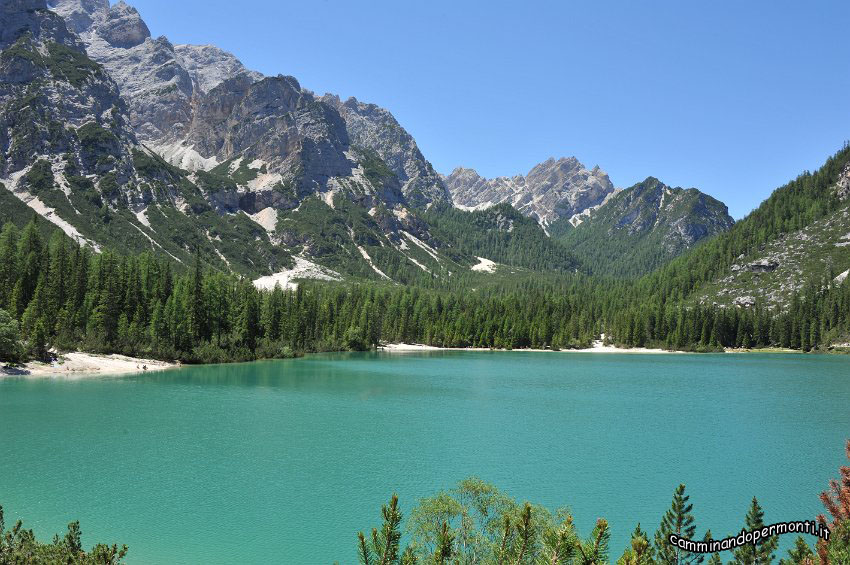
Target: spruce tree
(761, 553)
(8, 263)
(677, 520)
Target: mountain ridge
(551, 190)
(278, 164)
(338, 182)
(640, 228)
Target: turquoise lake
(285, 461)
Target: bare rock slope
(552, 190)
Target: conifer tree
(800, 554)
(594, 551)
(383, 548)
(680, 521)
(525, 534)
(9, 338)
(837, 550)
(8, 263)
(561, 544)
(445, 546)
(761, 553)
(640, 551)
(38, 341)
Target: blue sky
(733, 97)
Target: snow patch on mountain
(303, 269)
(184, 156)
(424, 246)
(371, 263)
(143, 218)
(267, 218)
(484, 266)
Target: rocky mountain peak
(209, 65)
(687, 213)
(468, 175)
(73, 92)
(563, 163)
(19, 17)
(80, 15)
(123, 27)
(13, 6)
(553, 189)
(376, 129)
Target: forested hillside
(501, 234)
(642, 228)
(810, 197)
(63, 296)
(134, 254)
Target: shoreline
(77, 364)
(597, 347)
(81, 365)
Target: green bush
(20, 546)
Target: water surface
(285, 461)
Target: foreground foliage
(20, 546)
(475, 523)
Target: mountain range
(128, 141)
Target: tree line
(57, 294)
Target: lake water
(285, 461)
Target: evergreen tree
(837, 504)
(38, 342)
(383, 548)
(677, 520)
(8, 263)
(838, 548)
(445, 546)
(10, 349)
(761, 553)
(21, 546)
(800, 554)
(640, 551)
(594, 551)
